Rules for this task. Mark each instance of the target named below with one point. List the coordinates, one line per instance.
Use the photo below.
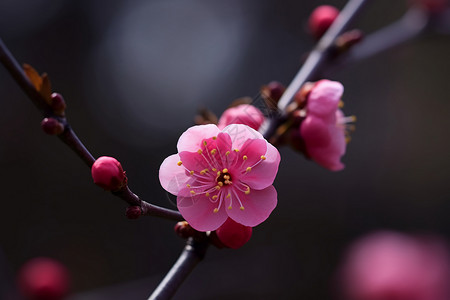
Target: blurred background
(134, 73)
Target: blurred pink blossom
(242, 114)
(43, 278)
(324, 129)
(393, 266)
(218, 175)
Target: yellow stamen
(263, 157)
(341, 104)
(204, 143)
(217, 187)
(228, 196)
(192, 192)
(207, 194)
(226, 177)
(213, 151)
(215, 197)
(244, 157)
(215, 210)
(241, 208)
(179, 163)
(220, 183)
(225, 170)
(188, 185)
(199, 151)
(248, 169)
(227, 153)
(236, 150)
(191, 172)
(229, 207)
(214, 169)
(214, 137)
(247, 191)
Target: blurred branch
(193, 253)
(410, 26)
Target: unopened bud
(184, 230)
(43, 279)
(58, 104)
(321, 19)
(233, 235)
(52, 126)
(107, 173)
(133, 212)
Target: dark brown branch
(192, 254)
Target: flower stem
(192, 254)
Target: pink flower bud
(43, 279)
(52, 126)
(234, 235)
(133, 212)
(107, 173)
(58, 104)
(390, 265)
(242, 114)
(321, 19)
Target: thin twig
(69, 137)
(410, 26)
(316, 61)
(192, 254)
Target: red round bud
(107, 173)
(43, 279)
(184, 230)
(133, 212)
(52, 126)
(58, 104)
(233, 235)
(321, 19)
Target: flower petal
(257, 206)
(315, 132)
(263, 175)
(242, 114)
(199, 212)
(240, 133)
(330, 156)
(172, 176)
(191, 139)
(324, 98)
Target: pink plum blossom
(393, 266)
(242, 114)
(220, 174)
(324, 129)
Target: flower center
(223, 178)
